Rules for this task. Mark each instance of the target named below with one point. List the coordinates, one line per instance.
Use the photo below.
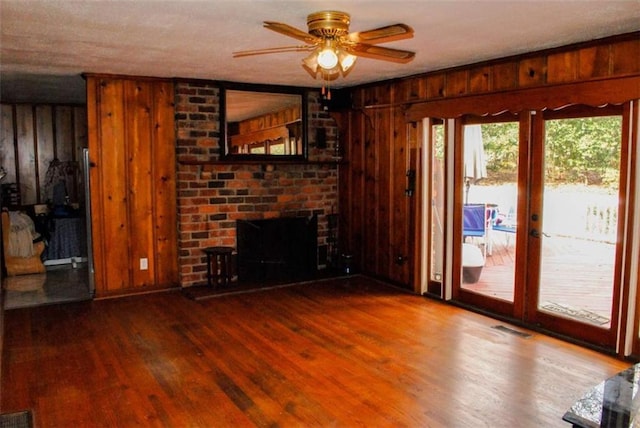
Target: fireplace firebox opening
(282, 249)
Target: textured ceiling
(46, 45)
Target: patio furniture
(476, 224)
(506, 224)
(472, 263)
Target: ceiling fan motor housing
(329, 24)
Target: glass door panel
(580, 219)
(436, 249)
(490, 172)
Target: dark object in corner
(16, 420)
(347, 264)
(340, 100)
(321, 138)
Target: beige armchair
(20, 265)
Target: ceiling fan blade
(382, 34)
(290, 31)
(378, 52)
(273, 50)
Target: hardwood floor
(347, 352)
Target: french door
(491, 158)
(575, 229)
(539, 203)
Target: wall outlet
(144, 264)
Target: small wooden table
(218, 265)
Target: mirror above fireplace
(263, 123)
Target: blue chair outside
(475, 223)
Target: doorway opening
(46, 248)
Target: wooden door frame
(424, 213)
(631, 328)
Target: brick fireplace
(213, 196)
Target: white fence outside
(581, 212)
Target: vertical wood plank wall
(33, 135)
(374, 207)
(163, 185)
(379, 149)
(133, 183)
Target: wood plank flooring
(347, 352)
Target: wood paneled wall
(604, 59)
(33, 135)
(133, 184)
(376, 197)
(381, 139)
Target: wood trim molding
(593, 93)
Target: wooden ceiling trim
(593, 93)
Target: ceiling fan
(333, 49)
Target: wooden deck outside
(349, 352)
(577, 273)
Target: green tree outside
(579, 151)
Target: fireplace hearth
(279, 249)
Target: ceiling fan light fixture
(327, 57)
(332, 72)
(346, 60)
(311, 62)
(333, 48)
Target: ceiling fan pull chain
(326, 87)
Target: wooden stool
(218, 265)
